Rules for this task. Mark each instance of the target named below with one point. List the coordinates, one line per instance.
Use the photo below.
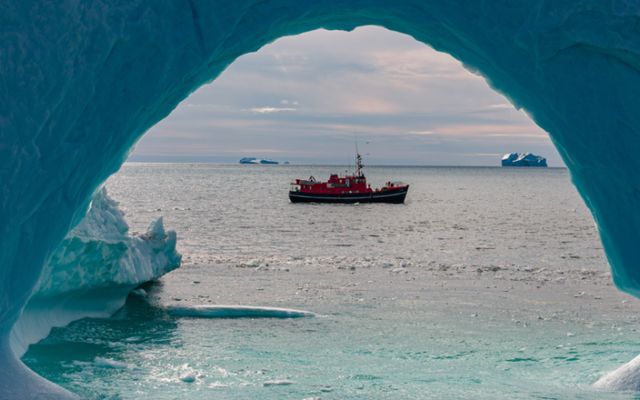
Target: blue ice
(523, 160)
(81, 84)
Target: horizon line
(334, 165)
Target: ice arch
(80, 82)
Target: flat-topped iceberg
(523, 160)
(253, 160)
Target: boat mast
(359, 165)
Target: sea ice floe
(278, 382)
(110, 363)
(188, 374)
(235, 311)
(188, 377)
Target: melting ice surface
(81, 84)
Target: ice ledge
(237, 311)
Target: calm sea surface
(487, 283)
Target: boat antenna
(359, 165)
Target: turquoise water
(486, 284)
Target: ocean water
(488, 283)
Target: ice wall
(80, 82)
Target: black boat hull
(388, 196)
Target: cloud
(425, 133)
(369, 105)
(504, 129)
(270, 110)
(416, 105)
(502, 106)
(491, 155)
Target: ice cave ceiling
(80, 82)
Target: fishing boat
(346, 189)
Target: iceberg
(253, 160)
(90, 274)
(523, 160)
(93, 270)
(249, 160)
(80, 85)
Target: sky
(307, 98)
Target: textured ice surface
(100, 253)
(627, 377)
(523, 160)
(93, 269)
(80, 84)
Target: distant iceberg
(253, 160)
(523, 160)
